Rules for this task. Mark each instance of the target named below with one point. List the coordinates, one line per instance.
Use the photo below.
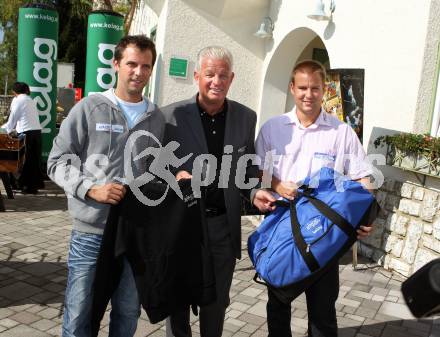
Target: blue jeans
(83, 254)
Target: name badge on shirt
(320, 160)
(117, 128)
(324, 156)
(107, 127)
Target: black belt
(212, 212)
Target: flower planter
(419, 163)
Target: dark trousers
(321, 297)
(31, 178)
(212, 316)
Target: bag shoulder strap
(303, 247)
(332, 215)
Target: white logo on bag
(314, 225)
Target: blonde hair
(310, 66)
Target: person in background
(24, 119)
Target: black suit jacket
(168, 253)
(183, 125)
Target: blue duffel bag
(297, 241)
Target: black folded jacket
(168, 250)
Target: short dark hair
(140, 41)
(21, 88)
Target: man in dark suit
(217, 132)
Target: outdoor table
(12, 151)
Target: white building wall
(395, 42)
(426, 97)
(160, 40)
(186, 29)
(144, 20)
(387, 39)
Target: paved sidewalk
(34, 234)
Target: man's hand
(110, 193)
(183, 175)
(286, 189)
(264, 200)
(13, 134)
(364, 231)
(366, 183)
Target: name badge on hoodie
(107, 127)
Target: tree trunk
(129, 17)
(102, 5)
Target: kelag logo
(46, 51)
(105, 56)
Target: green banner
(37, 64)
(104, 31)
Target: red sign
(78, 94)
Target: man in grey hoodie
(89, 159)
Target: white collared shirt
(302, 151)
(24, 115)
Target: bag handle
(303, 247)
(325, 210)
(331, 214)
(257, 279)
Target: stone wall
(407, 231)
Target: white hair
(215, 52)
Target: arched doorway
(301, 43)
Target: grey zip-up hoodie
(89, 150)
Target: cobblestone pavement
(34, 234)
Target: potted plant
(415, 152)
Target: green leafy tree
(72, 40)
(8, 49)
